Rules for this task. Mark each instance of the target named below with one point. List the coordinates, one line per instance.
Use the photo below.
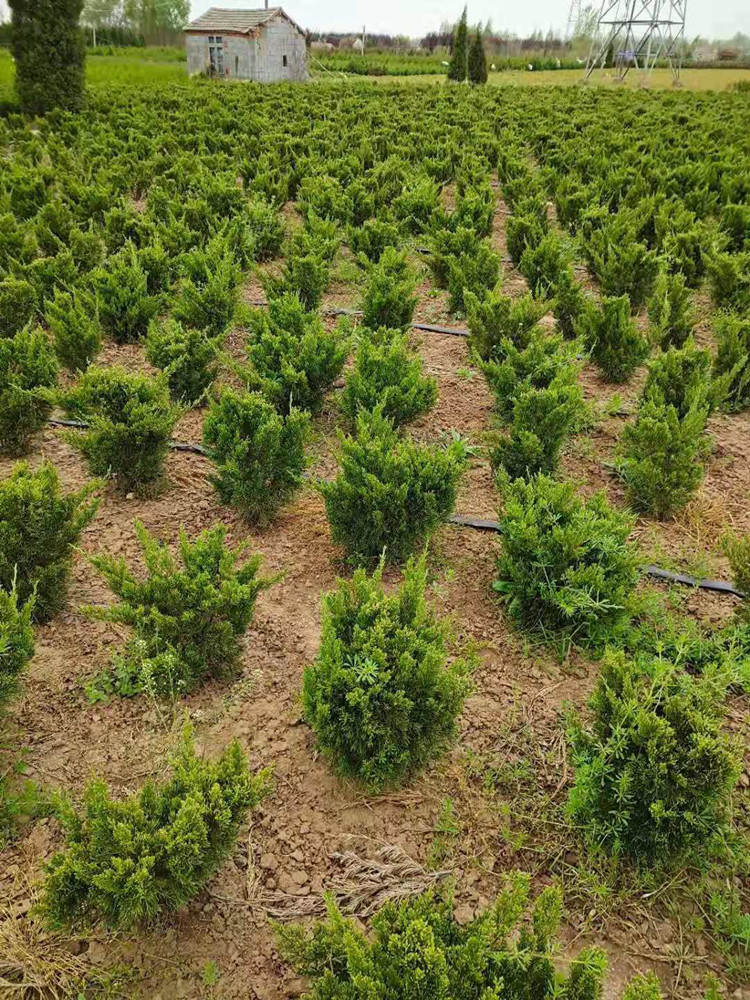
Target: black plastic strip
(429, 328)
(196, 449)
(718, 586)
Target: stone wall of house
(260, 57)
(275, 40)
(238, 55)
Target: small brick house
(264, 45)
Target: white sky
(713, 18)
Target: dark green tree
(49, 51)
(459, 59)
(477, 62)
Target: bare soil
(510, 722)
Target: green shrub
(495, 318)
(125, 861)
(524, 231)
(737, 550)
(131, 418)
(417, 203)
(16, 643)
(390, 375)
(682, 378)
(419, 950)
(17, 305)
(623, 265)
(260, 455)
(86, 248)
(324, 197)
(207, 300)
(39, 529)
(729, 279)
(49, 51)
(369, 240)
(458, 67)
(542, 421)
(477, 60)
(73, 318)
(733, 359)
(544, 265)
(391, 494)
(188, 620)
(381, 697)
(293, 358)
(477, 273)
(305, 274)
(734, 222)
(187, 356)
(566, 565)
(28, 375)
(645, 987)
(654, 771)
(613, 338)
(125, 306)
(569, 304)
(670, 311)
(514, 370)
(448, 244)
(265, 227)
(663, 457)
(389, 298)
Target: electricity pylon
(639, 33)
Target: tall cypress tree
(477, 60)
(50, 52)
(458, 66)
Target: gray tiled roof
(224, 19)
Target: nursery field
(361, 452)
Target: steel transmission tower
(574, 15)
(639, 33)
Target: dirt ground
(283, 859)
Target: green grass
(102, 70)
(158, 66)
(661, 79)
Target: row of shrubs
(533, 376)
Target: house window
(216, 54)
(236, 65)
(284, 59)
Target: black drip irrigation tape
(718, 586)
(449, 330)
(195, 449)
(482, 524)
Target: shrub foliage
(127, 860)
(418, 949)
(49, 51)
(131, 418)
(380, 696)
(28, 376)
(16, 642)
(566, 565)
(260, 454)
(391, 493)
(39, 528)
(389, 375)
(188, 620)
(653, 769)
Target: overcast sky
(715, 18)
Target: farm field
(135, 67)
(242, 272)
